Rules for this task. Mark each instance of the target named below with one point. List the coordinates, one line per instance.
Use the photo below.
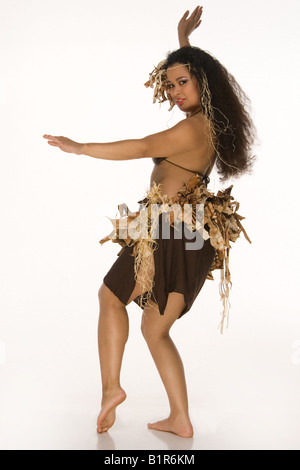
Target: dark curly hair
(224, 104)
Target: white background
(77, 68)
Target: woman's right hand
(65, 144)
(187, 25)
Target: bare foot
(107, 414)
(180, 425)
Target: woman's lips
(180, 101)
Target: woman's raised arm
(187, 25)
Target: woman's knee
(156, 326)
(153, 330)
(153, 335)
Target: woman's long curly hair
(224, 104)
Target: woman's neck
(192, 114)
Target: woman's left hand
(187, 25)
(65, 144)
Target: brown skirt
(177, 266)
(176, 269)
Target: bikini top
(157, 161)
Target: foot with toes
(181, 426)
(107, 415)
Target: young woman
(159, 273)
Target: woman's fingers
(49, 137)
(197, 11)
(194, 12)
(198, 14)
(52, 141)
(189, 24)
(55, 138)
(65, 144)
(55, 141)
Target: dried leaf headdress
(157, 80)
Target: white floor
(73, 427)
(244, 393)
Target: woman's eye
(182, 82)
(170, 85)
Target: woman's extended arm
(178, 139)
(187, 26)
(122, 150)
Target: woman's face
(182, 89)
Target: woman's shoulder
(195, 125)
(197, 119)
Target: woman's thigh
(120, 282)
